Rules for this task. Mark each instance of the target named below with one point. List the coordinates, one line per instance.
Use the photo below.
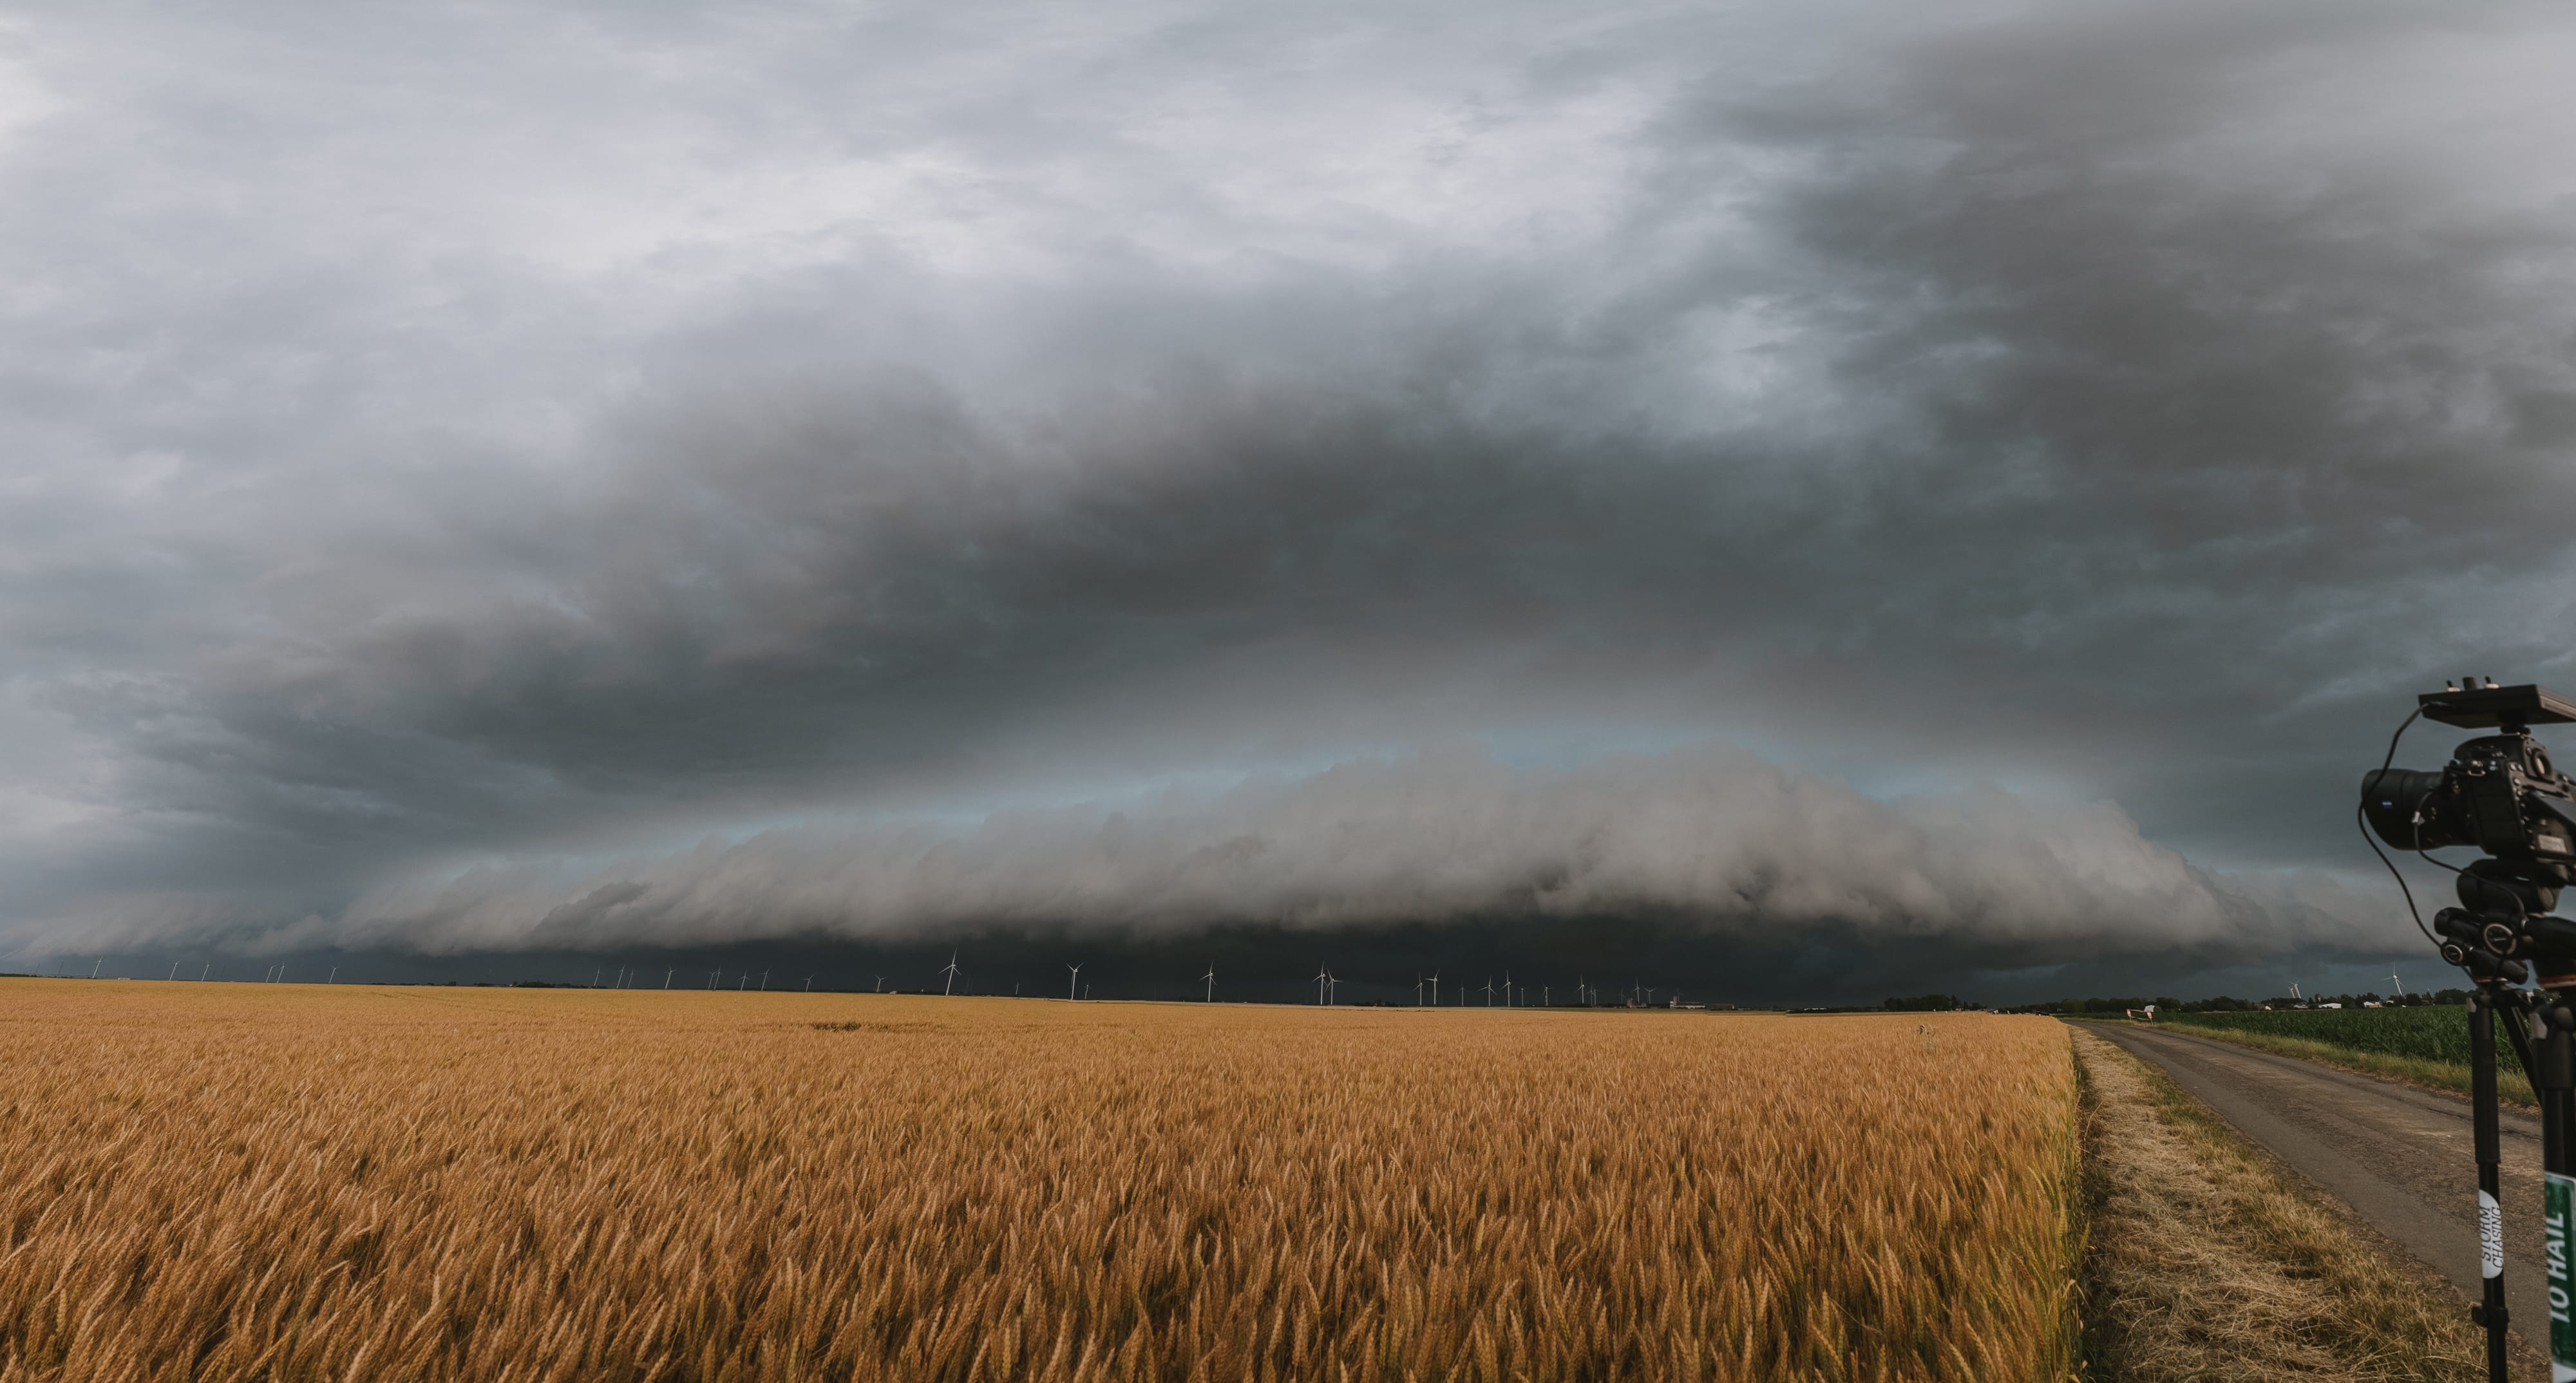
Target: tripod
(2501, 795)
(2539, 1029)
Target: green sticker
(2558, 1209)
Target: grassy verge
(2451, 1077)
(2205, 1262)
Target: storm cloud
(1707, 839)
(639, 478)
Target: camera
(2502, 795)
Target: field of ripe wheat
(309, 1183)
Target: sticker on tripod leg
(2490, 1236)
(2558, 1207)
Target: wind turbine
(1073, 986)
(1435, 989)
(951, 972)
(335, 976)
(594, 978)
(1322, 977)
(1507, 989)
(1210, 977)
(809, 984)
(714, 977)
(1417, 989)
(2401, 984)
(1542, 997)
(93, 970)
(202, 974)
(666, 978)
(174, 970)
(878, 987)
(764, 981)
(1489, 991)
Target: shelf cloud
(1703, 840)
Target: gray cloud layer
(1709, 839)
(435, 443)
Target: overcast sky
(505, 478)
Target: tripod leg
(2482, 1113)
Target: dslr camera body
(2502, 795)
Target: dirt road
(2399, 1157)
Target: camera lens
(2393, 798)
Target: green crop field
(2422, 1034)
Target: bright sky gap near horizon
(1979, 485)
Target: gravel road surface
(2400, 1158)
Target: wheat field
(344, 1183)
